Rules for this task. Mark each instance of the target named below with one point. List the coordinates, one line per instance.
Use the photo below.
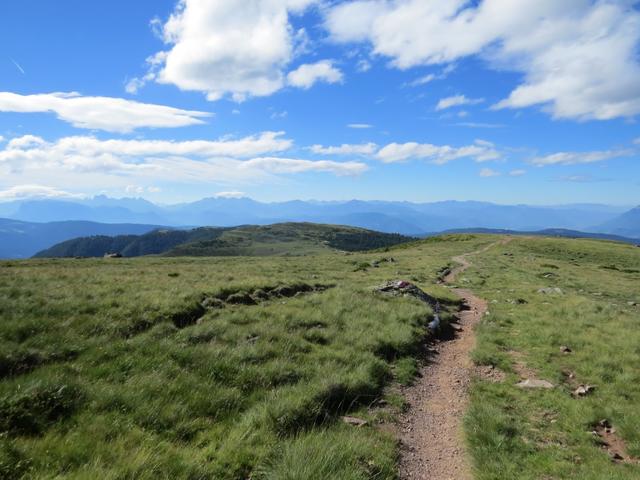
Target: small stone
(583, 390)
(551, 291)
(355, 421)
(565, 349)
(534, 383)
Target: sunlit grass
(111, 368)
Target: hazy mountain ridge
(401, 217)
(627, 224)
(68, 219)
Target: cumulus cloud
(488, 172)
(346, 149)
(578, 58)
(573, 158)
(236, 47)
(438, 154)
(456, 101)
(360, 126)
(101, 113)
(305, 76)
(35, 191)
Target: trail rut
(432, 444)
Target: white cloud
(572, 158)
(432, 76)
(139, 190)
(96, 163)
(637, 141)
(363, 65)
(578, 57)
(438, 154)
(35, 191)
(517, 173)
(456, 101)
(91, 154)
(305, 76)
(129, 189)
(279, 115)
(294, 165)
(346, 149)
(359, 125)
(236, 47)
(101, 113)
(488, 172)
(483, 143)
(423, 80)
(230, 194)
(1, 139)
(135, 84)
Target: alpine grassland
(225, 368)
(246, 367)
(565, 311)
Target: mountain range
(136, 216)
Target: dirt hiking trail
(432, 443)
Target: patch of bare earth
(432, 443)
(612, 443)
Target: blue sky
(496, 100)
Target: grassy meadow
(111, 368)
(547, 434)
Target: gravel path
(431, 434)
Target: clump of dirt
(610, 442)
(190, 315)
(490, 373)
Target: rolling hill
(20, 239)
(278, 239)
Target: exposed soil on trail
(432, 443)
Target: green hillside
(278, 239)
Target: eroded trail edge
(432, 443)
